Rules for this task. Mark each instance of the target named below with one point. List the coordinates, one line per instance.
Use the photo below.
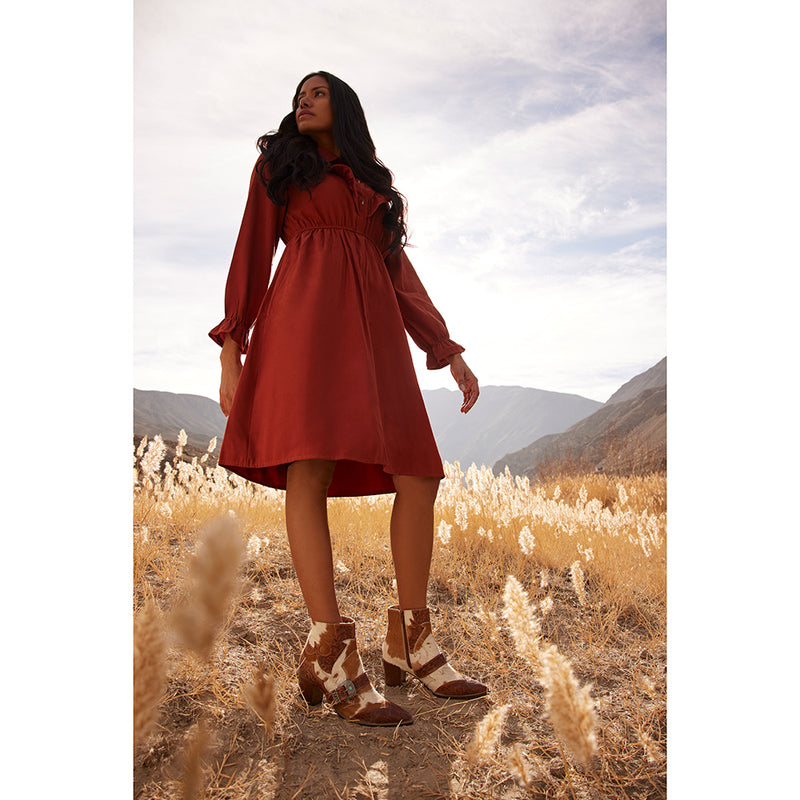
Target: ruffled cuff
(440, 351)
(236, 329)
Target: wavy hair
(292, 157)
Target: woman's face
(313, 112)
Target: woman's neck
(325, 142)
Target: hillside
(626, 437)
(166, 413)
(649, 379)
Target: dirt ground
(314, 754)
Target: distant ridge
(166, 413)
(504, 419)
(649, 379)
(626, 436)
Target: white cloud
(598, 172)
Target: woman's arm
(231, 361)
(248, 279)
(427, 328)
(423, 322)
(248, 276)
(466, 381)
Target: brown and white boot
(409, 647)
(331, 667)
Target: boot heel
(312, 692)
(393, 674)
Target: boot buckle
(344, 692)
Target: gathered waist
(335, 228)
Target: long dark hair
(293, 158)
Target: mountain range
(526, 429)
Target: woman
(327, 402)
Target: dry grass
(149, 669)
(260, 696)
(577, 707)
(487, 734)
(212, 584)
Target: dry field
(554, 594)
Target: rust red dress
(328, 372)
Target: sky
(528, 137)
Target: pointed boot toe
(464, 689)
(387, 713)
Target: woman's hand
(231, 360)
(466, 381)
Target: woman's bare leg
(412, 537)
(309, 536)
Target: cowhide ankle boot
(409, 647)
(331, 667)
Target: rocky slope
(625, 437)
(649, 379)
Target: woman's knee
(312, 473)
(424, 489)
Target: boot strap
(348, 690)
(431, 666)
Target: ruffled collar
(360, 190)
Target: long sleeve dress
(328, 372)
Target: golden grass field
(553, 594)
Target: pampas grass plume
(150, 462)
(570, 707)
(193, 763)
(654, 753)
(260, 696)
(576, 573)
(517, 765)
(487, 733)
(213, 582)
(149, 669)
(523, 623)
